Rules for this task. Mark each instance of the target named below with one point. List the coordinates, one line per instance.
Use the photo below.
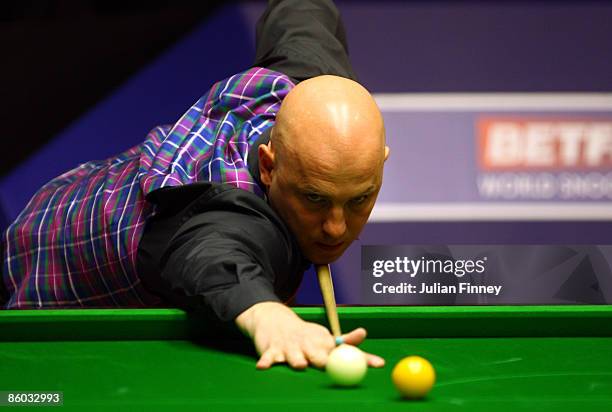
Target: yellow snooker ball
(413, 377)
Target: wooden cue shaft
(327, 289)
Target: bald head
(329, 118)
(323, 166)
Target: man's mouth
(330, 248)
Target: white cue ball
(346, 365)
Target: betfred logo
(544, 144)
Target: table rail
(381, 322)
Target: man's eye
(359, 200)
(314, 198)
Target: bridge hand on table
(280, 336)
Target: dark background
(60, 57)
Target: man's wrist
(247, 321)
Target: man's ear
(386, 152)
(266, 163)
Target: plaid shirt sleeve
(75, 244)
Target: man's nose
(335, 223)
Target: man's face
(324, 206)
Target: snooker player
(273, 169)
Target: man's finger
(317, 357)
(355, 337)
(375, 361)
(265, 361)
(296, 358)
(279, 357)
(268, 358)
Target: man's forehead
(330, 169)
(330, 188)
(324, 156)
(329, 182)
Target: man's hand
(281, 336)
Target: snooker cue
(327, 289)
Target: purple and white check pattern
(75, 243)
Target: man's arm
(215, 264)
(224, 263)
(303, 39)
(227, 270)
(218, 250)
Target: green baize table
(487, 358)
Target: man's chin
(322, 261)
(323, 256)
